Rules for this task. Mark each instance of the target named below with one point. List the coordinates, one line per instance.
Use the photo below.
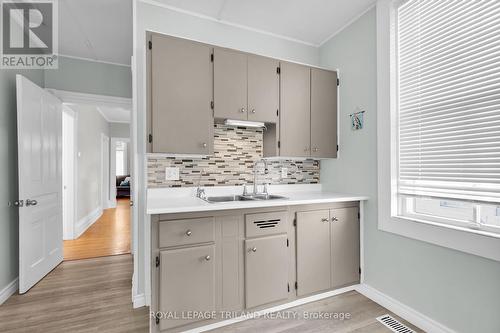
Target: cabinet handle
(315, 149)
(306, 149)
(254, 249)
(335, 219)
(189, 233)
(204, 144)
(253, 110)
(324, 219)
(242, 110)
(207, 258)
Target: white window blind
(448, 70)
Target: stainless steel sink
(232, 198)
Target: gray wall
(90, 126)
(90, 77)
(119, 130)
(459, 290)
(8, 175)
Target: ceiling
(96, 29)
(115, 114)
(102, 29)
(310, 21)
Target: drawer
(188, 231)
(262, 224)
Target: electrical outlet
(284, 173)
(171, 173)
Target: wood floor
(110, 235)
(363, 313)
(92, 295)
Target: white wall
(148, 17)
(119, 130)
(90, 126)
(459, 290)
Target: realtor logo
(29, 34)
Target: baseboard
(280, 307)
(138, 301)
(411, 315)
(84, 223)
(9, 290)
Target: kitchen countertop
(183, 200)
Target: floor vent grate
(394, 325)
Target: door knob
(204, 145)
(253, 110)
(207, 258)
(242, 110)
(189, 233)
(30, 202)
(254, 249)
(316, 149)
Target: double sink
(252, 197)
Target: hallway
(110, 235)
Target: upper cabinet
(246, 86)
(323, 113)
(263, 89)
(181, 119)
(230, 84)
(191, 84)
(295, 120)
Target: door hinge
(150, 138)
(157, 261)
(360, 271)
(288, 286)
(296, 285)
(287, 243)
(157, 320)
(277, 113)
(359, 216)
(295, 222)
(337, 147)
(212, 57)
(18, 203)
(150, 45)
(279, 144)
(338, 82)
(278, 70)
(212, 105)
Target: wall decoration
(357, 119)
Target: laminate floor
(109, 235)
(91, 295)
(363, 313)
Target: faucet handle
(245, 191)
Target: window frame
(459, 237)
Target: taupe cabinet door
(187, 282)
(323, 113)
(327, 249)
(230, 84)
(345, 246)
(313, 252)
(182, 119)
(295, 119)
(266, 270)
(263, 89)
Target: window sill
(476, 242)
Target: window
(448, 112)
(121, 158)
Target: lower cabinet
(327, 249)
(266, 270)
(187, 283)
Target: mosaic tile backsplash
(235, 151)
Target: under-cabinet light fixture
(244, 123)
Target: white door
(39, 131)
(68, 171)
(104, 171)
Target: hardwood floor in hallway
(110, 235)
(91, 295)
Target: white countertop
(183, 200)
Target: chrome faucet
(255, 164)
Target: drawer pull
(324, 220)
(207, 258)
(189, 233)
(335, 219)
(254, 249)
